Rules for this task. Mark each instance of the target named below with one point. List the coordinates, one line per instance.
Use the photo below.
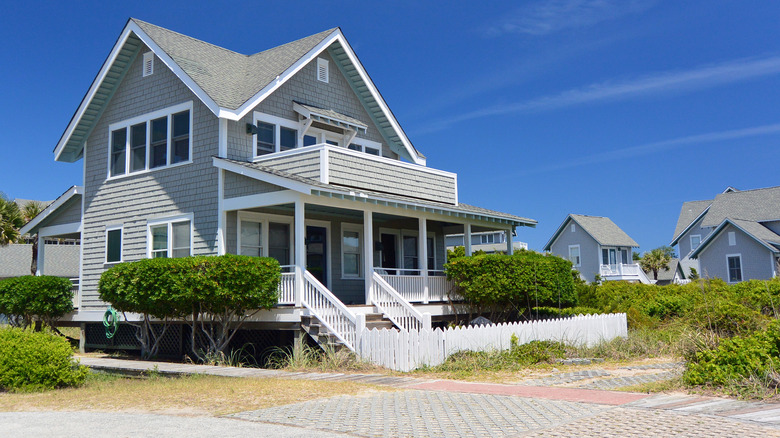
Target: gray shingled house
(292, 153)
(596, 246)
(735, 236)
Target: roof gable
(754, 230)
(230, 84)
(690, 213)
(601, 229)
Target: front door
(316, 253)
(388, 252)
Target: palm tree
(11, 221)
(657, 259)
(29, 211)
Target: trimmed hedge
(499, 284)
(35, 361)
(35, 298)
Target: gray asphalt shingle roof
(752, 205)
(604, 230)
(688, 213)
(228, 77)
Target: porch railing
(395, 307)
(330, 311)
(75, 289)
(412, 285)
(287, 285)
(632, 271)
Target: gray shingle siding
(132, 200)
(756, 259)
(239, 185)
(355, 171)
(589, 250)
(304, 87)
(67, 214)
(685, 241)
(306, 164)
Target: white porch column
(300, 251)
(467, 238)
(41, 254)
(422, 244)
(368, 250)
(509, 247)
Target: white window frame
(148, 65)
(278, 122)
(579, 256)
(728, 269)
(169, 221)
(264, 220)
(119, 227)
(732, 238)
(322, 65)
(361, 258)
(363, 143)
(147, 118)
(691, 240)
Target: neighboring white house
(596, 246)
(488, 241)
(735, 236)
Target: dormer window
(322, 70)
(148, 64)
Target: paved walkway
(429, 408)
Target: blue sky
(623, 109)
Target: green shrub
(30, 299)
(554, 312)
(535, 352)
(34, 361)
(736, 359)
(505, 284)
(725, 317)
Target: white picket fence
(405, 351)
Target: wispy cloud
(549, 16)
(658, 84)
(652, 148)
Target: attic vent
(322, 70)
(148, 64)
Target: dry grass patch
(188, 395)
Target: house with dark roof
(596, 246)
(735, 236)
(291, 153)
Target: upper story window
(574, 255)
(322, 70)
(159, 139)
(695, 241)
(732, 238)
(274, 134)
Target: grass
(188, 395)
(309, 358)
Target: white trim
(148, 62)
(169, 220)
(223, 137)
(691, 241)
(278, 122)
(56, 230)
(260, 200)
(686, 229)
(51, 208)
(579, 255)
(147, 119)
(121, 229)
(356, 228)
(221, 217)
(324, 166)
(728, 270)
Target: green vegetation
(35, 361)
(217, 294)
(656, 260)
(35, 300)
(11, 220)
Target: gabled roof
(73, 193)
(230, 84)
(315, 187)
(755, 230)
(690, 213)
(757, 205)
(601, 229)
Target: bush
(34, 361)
(32, 299)
(736, 359)
(554, 312)
(504, 284)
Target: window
(488, 238)
(275, 134)
(351, 251)
(411, 257)
(148, 64)
(114, 244)
(574, 255)
(734, 263)
(431, 253)
(262, 235)
(695, 241)
(322, 70)
(288, 138)
(171, 238)
(367, 146)
(732, 238)
(252, 239)
(573, 228)
(279, 242)
(155, 140)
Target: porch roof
(315, 187)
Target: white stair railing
(287, 285)
(395, 307)
(330, 311)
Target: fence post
(426, 321)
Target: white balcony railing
(415, 287)
(622, 271)
(287, 285)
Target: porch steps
(325, 339)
